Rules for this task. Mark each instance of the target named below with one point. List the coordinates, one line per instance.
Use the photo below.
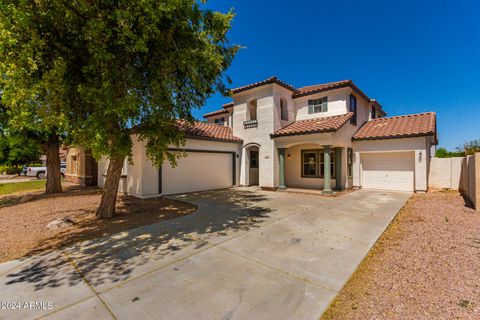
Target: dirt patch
(425, 266)
(23, 226)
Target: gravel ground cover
(425, 266)
(24, 218)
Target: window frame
(319, 163)
(253, 158)
(350, 162)
(252, 110)
(221, 121)
(321, 103)
(353, 108)
(283, 110)
(374, 112)
(302, 163)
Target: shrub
(7, 169)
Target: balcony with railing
(250, 124)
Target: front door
(253, 173)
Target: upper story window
(353, 108)
(374, 112)
(252, 110)
(283, 110)
(318, 105)
(220, 121)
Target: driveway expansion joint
(77, 269)
(292, 275)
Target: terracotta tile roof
(412, 125)
(316, 125)
(301, 92)
(262, 83)
(221, 111)
(209, 131)
(321, 87)
(214, 113)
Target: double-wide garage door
(388, 170)
(198, 171)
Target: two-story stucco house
(330, 136)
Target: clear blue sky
(412, 56)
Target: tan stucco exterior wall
(141, 178)
(418, 145)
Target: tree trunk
(106, 209)
(54, 177)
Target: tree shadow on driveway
(104, 262)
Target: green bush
(6, 169)
(37, 164)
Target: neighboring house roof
(201, 130)
(316, 125)
(215, 113)
(412, 125)
(262, 83)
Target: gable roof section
(228, 105)
(412, 125)
(316, 125)
(308, 90)
(207, 131)
(214, 113)
(270, 80)
(301, 92)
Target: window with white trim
(318, 105)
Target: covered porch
(315, 153)
(316, 162)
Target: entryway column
(281, 158)
(338, 168)
(327, 183)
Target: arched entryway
(252, 164)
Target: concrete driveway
(245, 254)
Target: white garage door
(198, 172)
(388, 170)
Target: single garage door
(198, 171)
(388, 170)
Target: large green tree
(146, 65)
(32, 67)
(120, 65)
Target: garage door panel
(198, 171)
(389, 171)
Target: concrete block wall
(458, 173)
(473, 192)
(446, 173)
